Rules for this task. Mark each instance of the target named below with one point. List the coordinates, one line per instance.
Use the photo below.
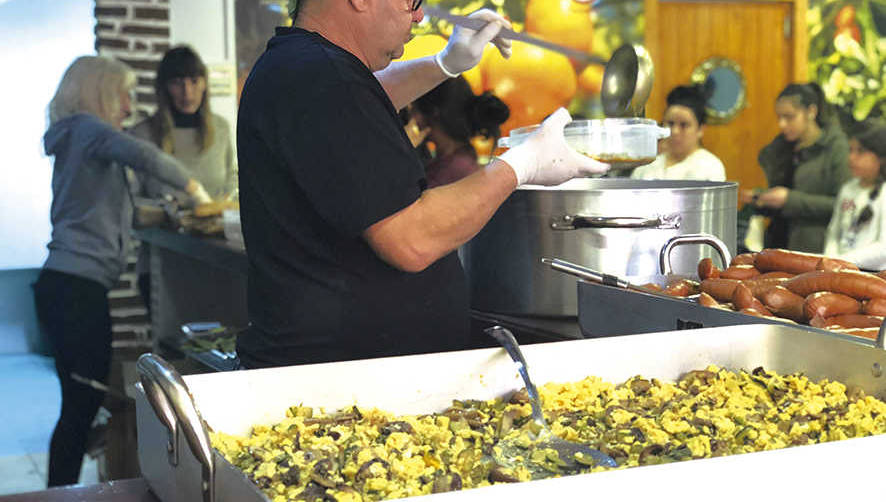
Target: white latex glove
(465, 47)
(199, 194)
(545, 158)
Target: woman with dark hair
(452, 114)
(683, 157)
(185, 127)
(91, 217)
(857, 231)
(805, 165)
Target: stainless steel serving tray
(233, 401)
(610, 311)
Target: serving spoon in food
(511, 452)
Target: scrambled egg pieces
(368, 454)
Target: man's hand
(545, 158)
(465, 47)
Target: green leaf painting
(847, 55)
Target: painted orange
(533, 82)
(566, 22)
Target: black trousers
(75, 314)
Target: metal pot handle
(664, 258)
(572, 222)
(172, 402)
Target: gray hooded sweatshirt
(91, 205)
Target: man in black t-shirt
(350, 256)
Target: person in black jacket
(805, 166)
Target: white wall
(38, 40)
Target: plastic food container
(623, 143)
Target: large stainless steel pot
(616, 226)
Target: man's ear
(360, 5)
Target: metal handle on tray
(172, 402)
(584, 273)
(664, 258)
(576, 221)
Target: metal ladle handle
(168, 395)
(507, 340)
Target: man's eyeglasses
(416, 4)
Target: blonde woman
(91, 217)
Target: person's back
(309, 187)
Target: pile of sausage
(804, 288)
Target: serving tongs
(664, 258)
(511, 452)
(601, 278)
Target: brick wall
(136, 32)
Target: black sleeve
(349, 155)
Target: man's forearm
(442, 219)
(406, 81)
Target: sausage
(784, 303)
(828, 304)
(651, 286)
(859, 285)
(743, 259)
(682, 288)
(740, 272)
(743, 299)
(757, 313)
(854, 321)
(707, 269)
(869, 333)
(794, 262)
(777, 274)
(720, 289)
(834, 264)
(706, 300)
(818, 322)
(762, 283)
(874, 306)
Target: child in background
(857, 231)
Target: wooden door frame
(800, 34)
